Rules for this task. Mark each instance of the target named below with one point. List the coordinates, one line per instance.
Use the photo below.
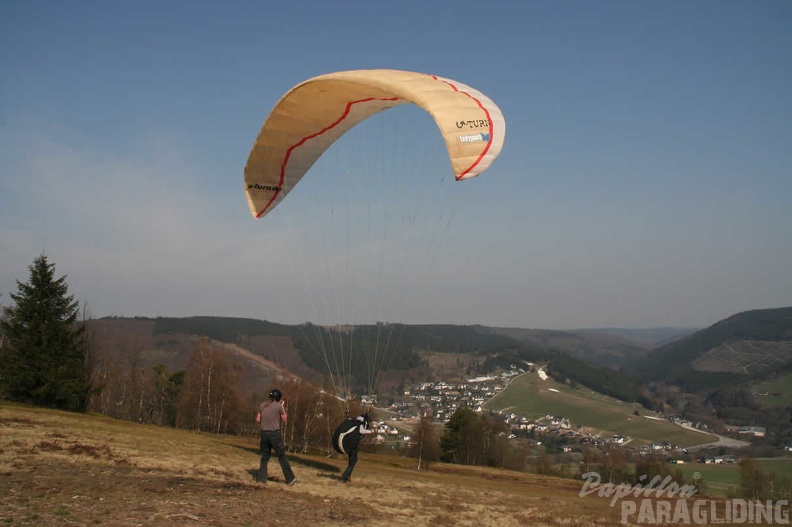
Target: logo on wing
(474, 138)
(475, 123)
(258, 186)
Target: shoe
(346, 480)
(292, 482)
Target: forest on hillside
(398, 350)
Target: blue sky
(646, 177)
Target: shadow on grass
(327, 470)
(312, 463)
(252, 450)
(334, 477)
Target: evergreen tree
(44, 353)
(461, 441)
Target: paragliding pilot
(270, 416)
(346, 440)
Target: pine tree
(43, 357)
(461, 441)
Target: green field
(528, 395)
(722, 478)
(781, 466)
(781, 386)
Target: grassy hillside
(775, 392)
(531, 396)
(60, 468)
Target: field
(782, 467)
(779, 391)
(60, 468)
(721, 478)
(530, 396)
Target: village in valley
(440, 399)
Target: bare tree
(2, 317)
(208, 401)
(426, 445)
(106, 380)
(313, 416)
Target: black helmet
(276, 394)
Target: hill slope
(652, 337)
(748, 345)
(58, 468)
(535, 397)
(276, 348)
(123, 343)
(610, 350)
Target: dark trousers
(351, 466)
(271, 440)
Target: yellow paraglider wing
(314, 114)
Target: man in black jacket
(346, 440)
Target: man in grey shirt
(270, 416)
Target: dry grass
(59, 468)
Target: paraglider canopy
(310, 117)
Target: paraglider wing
(312, 115)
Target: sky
(645, 179)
